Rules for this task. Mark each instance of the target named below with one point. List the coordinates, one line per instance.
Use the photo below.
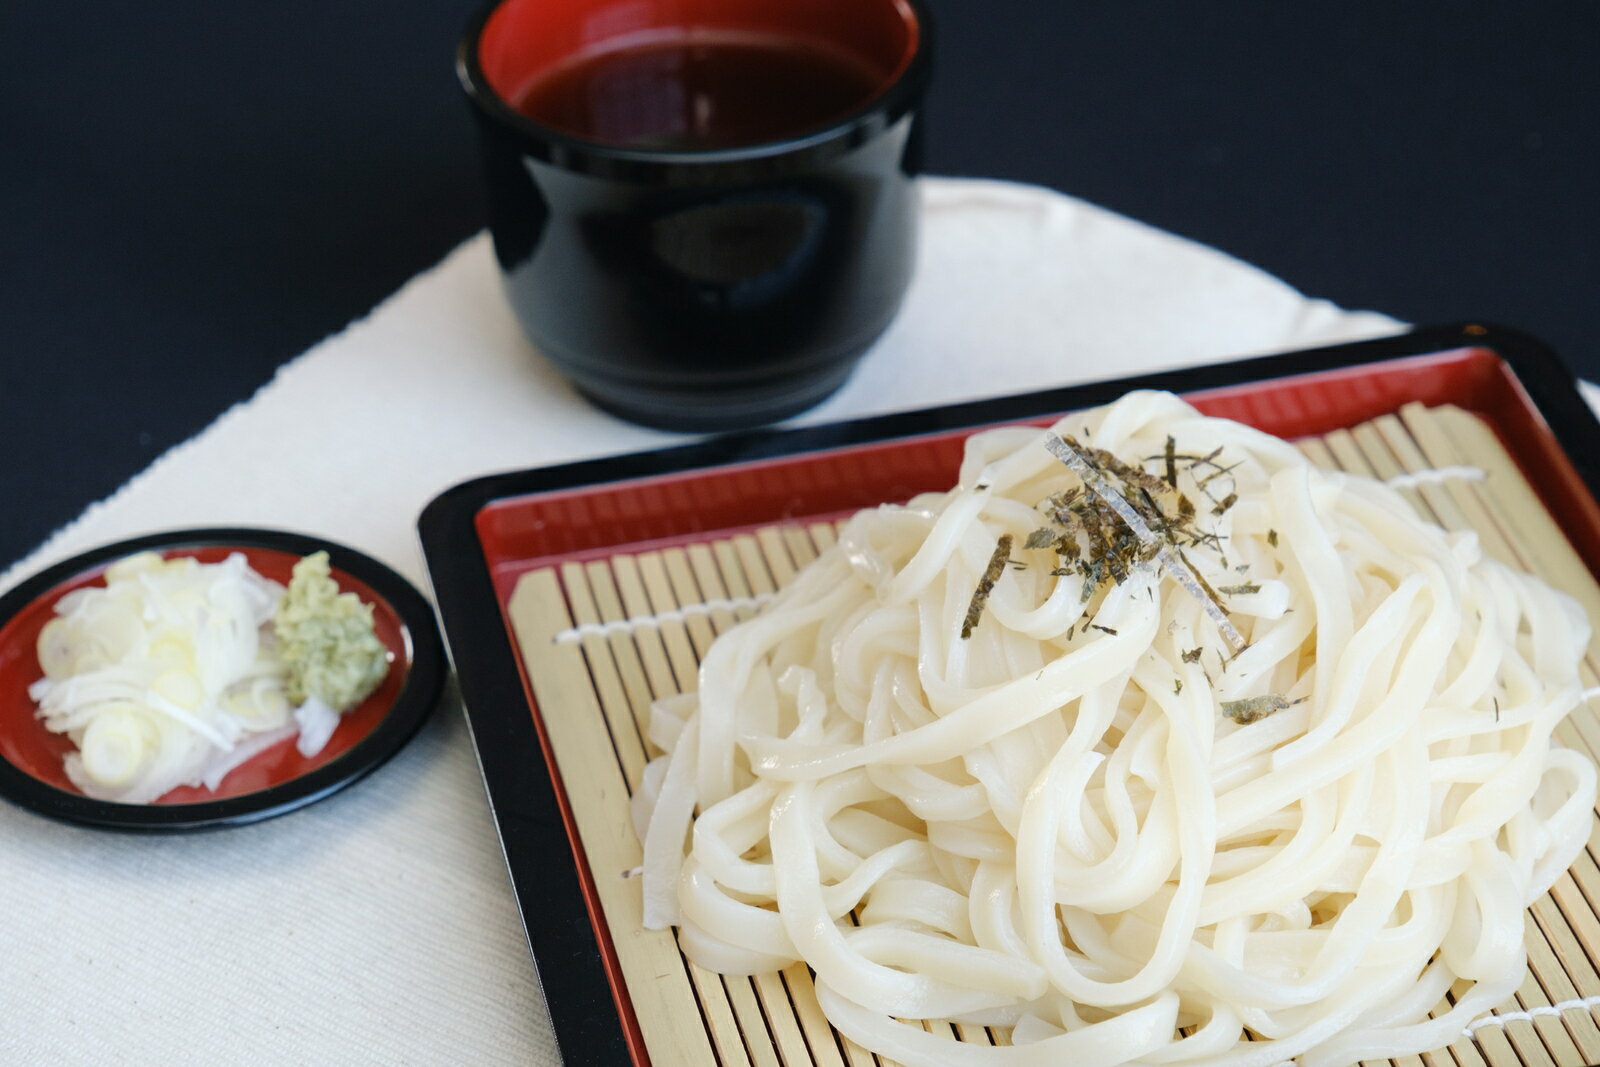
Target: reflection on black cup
(703, 209)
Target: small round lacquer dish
(276, 780)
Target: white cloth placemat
(378, 927)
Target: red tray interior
(520, 534)
(523, 533)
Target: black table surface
(194, 192)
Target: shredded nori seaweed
(1125, 521)
(1047, 537)
(1254, 709)
(991, 575)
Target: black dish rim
(522, 798)
(423, 685)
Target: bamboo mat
(602, 640)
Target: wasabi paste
(326, 639)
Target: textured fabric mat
(378, 927)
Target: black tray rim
(521, 795)
(417, 697)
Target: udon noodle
(1093, 819)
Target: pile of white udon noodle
(1038, 827)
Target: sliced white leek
(164, 677)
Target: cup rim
(879, 112)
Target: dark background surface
(192, 193)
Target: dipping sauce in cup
(703, 211)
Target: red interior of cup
(28, 746)
(526, 40)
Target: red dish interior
(524, 41)
(542, 530)
(31, 748)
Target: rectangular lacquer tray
(574, 597)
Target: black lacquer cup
(677, 233)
